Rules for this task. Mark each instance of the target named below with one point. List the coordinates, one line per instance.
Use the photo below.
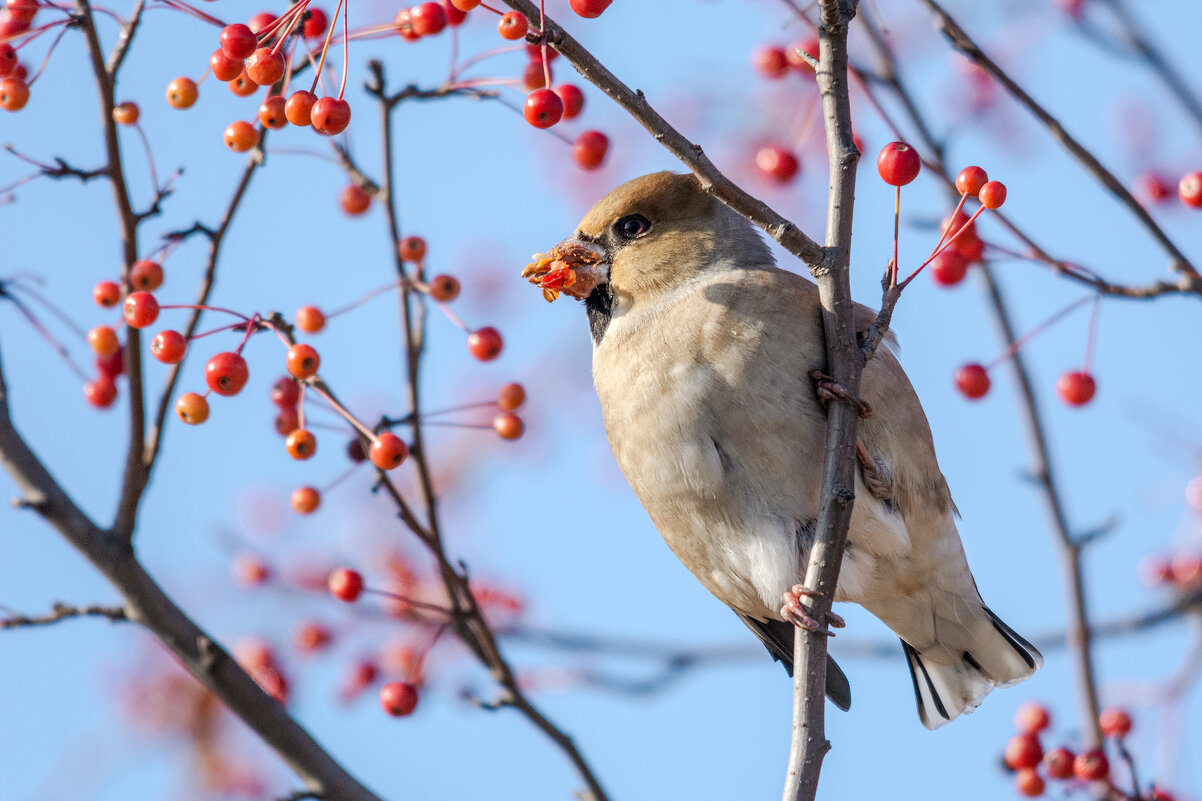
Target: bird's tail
(945, 687)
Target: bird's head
(644, 238)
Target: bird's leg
(828, 389)
(795, 612)
(878, 481)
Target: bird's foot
(795, 612)
(876, 477)
(829, 389)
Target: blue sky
(550, 516)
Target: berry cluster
(1025, 755)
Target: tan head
(644, 238)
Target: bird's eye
(632, 226)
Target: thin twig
(63, 611)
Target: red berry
(775, 163)
(261, 21)
(1187, 569)
(264, 67)
(103, 341)
(428, 19)
(8, 59)
(303, 361)
(310, 319)
(973, 381)
(403, 23)
(535, 53)
(1115, 722)
(238, 41)
(243, 86)
(354, 200)
(1190, 190)
(444, 288)
(241, 136)
(970, 180)
(454, 15)
(224, 68)
(388, 451)
(101, 392)
(573, 100)
(1076, 388)
(192, 409)
(106, 294)
(1032, 718)
(169, 347)
(272, 112)
(250, 571)
(485, 343)
(1091, 766)
(112, 365)
(589, 150)
(330, 116)
(511, 397)
(146, 275)
(508, 426)
(346, 584)
(299, 108)
(993, 195)
(1029, 783)
(1023, 751)
(589, 9)
(1059, 762)
(770, 61)
(543, 108)
(285, 393)
(949, 267)
(512, 25)
(226, 373)
(14, 94)
(305, 500)
(1154, 188)
(141, 309)
(301, 444)
(311, 636)
(898, 164)
(315, 23)
(126, 113)
(399, 698)
(1159, 794)
(182, 93)
(412, 248)
(287, 421)
(465, 5)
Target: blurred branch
(790, 237)
(127, 37)
(1138, 38)
(961, 41)
(63, 611)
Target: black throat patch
(599, 305)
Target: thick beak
(574, 267)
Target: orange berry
(146, 275)
(182, 93)
(310, 319)
(355, 200)
(508, 426)
(444, 288)
(301, 444)
(511, 397)
(412, 248)
(103, 340)
(191, 408)
(305, 500)
(272, 113)
(14, 94)
(241, 136)
(126, 113)
(303, 361)
(106, 294)
(388, 451)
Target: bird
(703, 351)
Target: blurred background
(100, 712)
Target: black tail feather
(777, 637)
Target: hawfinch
(702, 350)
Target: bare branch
(63, 611)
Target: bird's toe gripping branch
(794, 612)
(828, 389)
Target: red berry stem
(325, 47)
(479, 57)
(202, 307)
(393, 596)
(542, 42)
(154, 174)
(346, 45)
(944, 245)
(178, 5)
(1039, 329)
(896, 229)
(42, 331)
(287, 19)
(487, 7)
(947, 228)
(1091, 341)
(390, 286)
(300, 403)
